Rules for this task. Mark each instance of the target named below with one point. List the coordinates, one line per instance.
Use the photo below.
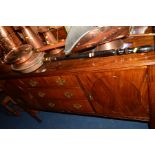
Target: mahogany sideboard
(116, 87)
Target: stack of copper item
(22, 58)
(9, 43)
(24, 48)
(36, 58)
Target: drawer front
(53, 81)
(68, 94)
(32, 82)
(62, 81)
(75, 106)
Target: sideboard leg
(151, 81)
(152, 124)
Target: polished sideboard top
(84, 65)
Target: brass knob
(51, 105)
(77, 106)
(41, 94)
(60, 81)
(33, 83)
(68, 94)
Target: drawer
(62, 81)
(63, 93)
(78, 106)
(32, 82)
(75, 106)
(53, 81)
(28, 82)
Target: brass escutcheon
(41, 94)
(51, 105)
(77, 106)
(33, 83)
(68, 94)
(60, 81)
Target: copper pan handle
(142, 35)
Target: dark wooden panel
(118, 93)
(2, 85)
(21, 95)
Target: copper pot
(31, 37)
(48, 35)
(8, 39)
(5, 30)
(1, 53)
(10, 42)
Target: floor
(51, 120)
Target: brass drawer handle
(77, 106)
(33, 83)
(51, 105)
(68, 94)
(41, 94)
(60, 81)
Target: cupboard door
(121, 94)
